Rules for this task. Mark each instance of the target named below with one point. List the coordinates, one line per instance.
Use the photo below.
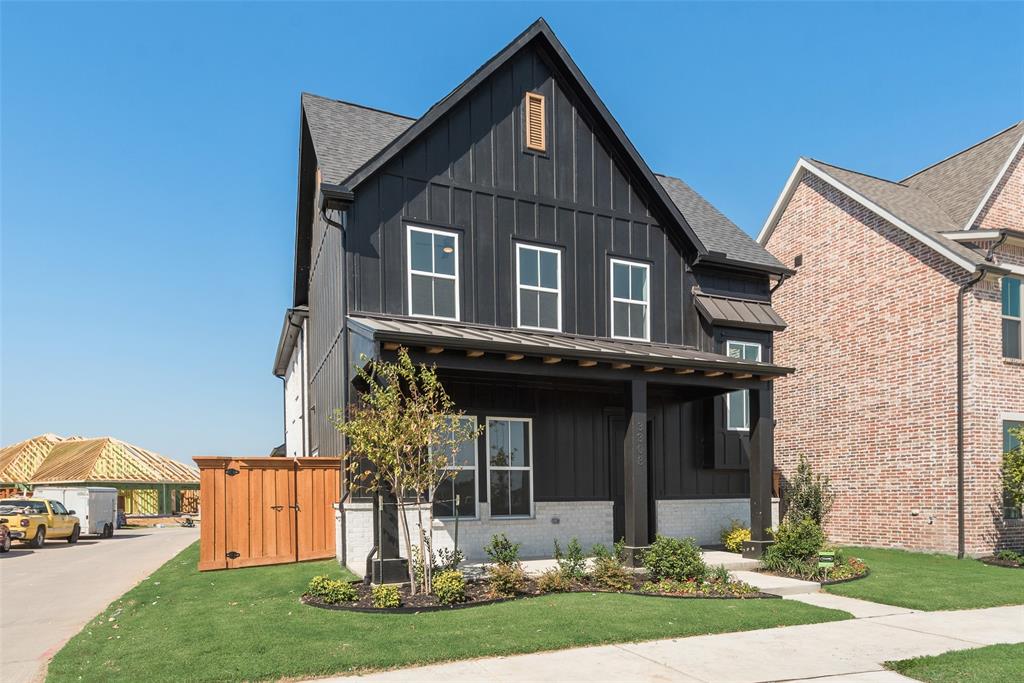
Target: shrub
(502, 551)
(449, 587)
(553, 581)
(734, 536)
(505, 580)
(808, 495)
(608, 573)
(573, 564)
(1010, 556)
(795, 547)
(385, 596)
(448, 560)
(674, 559)
(331, 591)
(719, 574)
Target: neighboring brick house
(873, 333)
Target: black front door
(616, 436)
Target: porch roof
(437, 336)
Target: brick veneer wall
(872, 333)
(1005, 208)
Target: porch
(615, 439)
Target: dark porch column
(762, 460)
(386, 566)
(635, 472)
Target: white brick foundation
(704, 518)
(589, 521)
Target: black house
(610, 329)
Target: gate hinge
(231, 471)
(231, 555)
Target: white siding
(295, 399)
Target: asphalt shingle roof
(909, 204)
(717, 232)
(346, 136)
(958, 184)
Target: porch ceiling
(477, 341)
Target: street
(48, 595)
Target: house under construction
(147, 483)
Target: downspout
(961, 295)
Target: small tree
(1013, 469)
(402, 432)
(809, 495)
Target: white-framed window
(631, 300)
(538, 287)
(1013, 319)
(458, 492)
(433, 273)
(510, 466)
(737, 403)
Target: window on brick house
(1010, 511)
(458, 491)
(737, 403)
(1013, 341)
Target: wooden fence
(264, 510)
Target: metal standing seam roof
(469, 336)
(722, 310)
(106, 459)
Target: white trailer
(95, 506)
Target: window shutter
(534, 106)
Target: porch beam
(762, 461)
(474, 354)
(434, 350)
(653, 368)
(391, 346)
(584, 363)
(635, 473)
(551, 360)
(513, 356)
(713, 373)
(620, 366)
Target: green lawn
(984, 664)
(932, 582)
(247, 624)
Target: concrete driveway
(48, 595)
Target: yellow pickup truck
(33, 520)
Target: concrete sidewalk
(852, 650)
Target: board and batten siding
(472, 173)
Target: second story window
(631, 300)
(1013, 337)
(737, 403)
(539, 277)
(433, 273)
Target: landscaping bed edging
(994, 561)
(310, 601)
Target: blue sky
(149, 159)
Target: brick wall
(872, 333)
(1005, 208)
(703, 519)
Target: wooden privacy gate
(266, 510)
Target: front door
(616, 438)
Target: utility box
(95, 506)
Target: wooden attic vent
(534, 106)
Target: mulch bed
(478, 594)
(820, 579)
(997, 562)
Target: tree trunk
(425, 550)
(404, 522)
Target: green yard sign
(826, 560)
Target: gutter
(960, 297)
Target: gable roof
(928, 205)
(961, 183)
(352, 141)
(539, 31)
(346, 136)
(718, 233)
